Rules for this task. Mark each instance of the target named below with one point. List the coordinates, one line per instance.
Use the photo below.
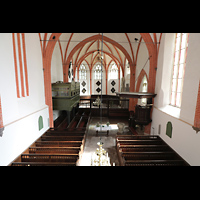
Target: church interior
(99, 99)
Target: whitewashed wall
(20, 115)
(184, 139)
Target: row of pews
(79, 122)
(140, 150)
(61, 146)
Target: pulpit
(142, 115)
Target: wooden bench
(54, 150)
(82, 123)
(60, 120)
(49, 158)
(43, 164)
(149, 156)
(65, 133)
(146, 151)
(155, 163)
(60, 146)
(58, 143)
(138, 137)
(62, 138)
(140, 142)
(143, 148)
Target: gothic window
(180, 53)
(144, 89)
(127, 67)
(82, 72)
(97, 71)
(113, 71)
(84, 79)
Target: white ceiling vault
(88, 52)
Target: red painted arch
(140, 77)
(47, 57)
(96, 37)
(109, 54)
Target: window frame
(113, 71)
(97, 71)
(177, 78)
(82, 72)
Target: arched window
(97, 84)
(84, 79)
(97, 71)
(180, 53)
(127, 67)
(142, 86)
(144, 89)
(82, 72)
(113, 71)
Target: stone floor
(109, 141)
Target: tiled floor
(109, 141)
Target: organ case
(65, 96)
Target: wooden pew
(138, 137)
(65, 133)
(143, 148)
(57, 147)
(82, 123)
(146, 151)
(43, 164)
(140, 142)
(58, 143)
(59, 120)
(151, 159)
(74, 123)
(63, 125)
(54, 150)
(49, 158)
(155, 163)
(62, 138)
(149, 156)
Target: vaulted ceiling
(79, 47)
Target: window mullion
(178, 69)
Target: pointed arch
(95, 37)
(140, 77)
(47, 57)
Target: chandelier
(100, 157)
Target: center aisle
(92, 139)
